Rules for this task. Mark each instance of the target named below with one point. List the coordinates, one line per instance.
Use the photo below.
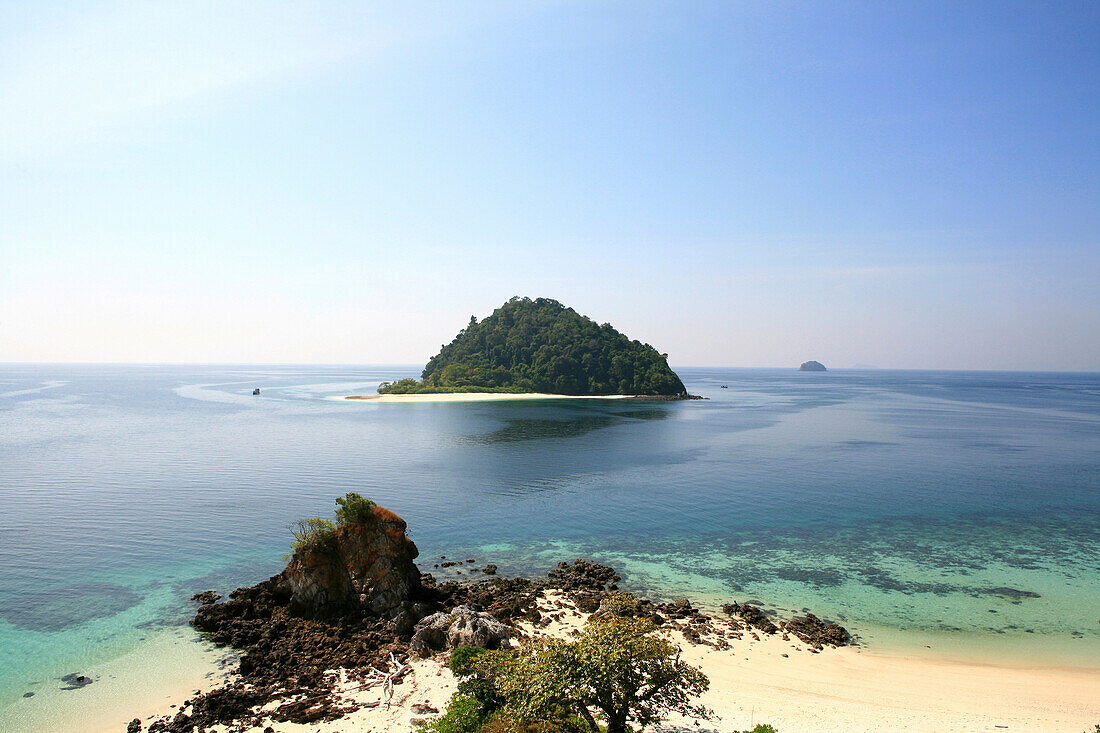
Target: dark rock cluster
(818, 633)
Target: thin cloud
(66, 84)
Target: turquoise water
(896, 502)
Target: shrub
(354, 509)
(465, 714)
(311, 535)
(464, 659)
(761, 728)
(617, 669)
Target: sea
(945, 514)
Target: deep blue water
(895, 501)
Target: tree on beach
(615, 673)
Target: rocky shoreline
(289, 658)
(351, 611)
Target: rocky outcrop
(461, 626)
(367, 565)
(814, 631)
(812, 366)
(756, 618)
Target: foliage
(761, 728)
(621, 604)
(463, 660)
(465, 714)
(354, 509)
(472, 706)
(617, 669)
(311, 535)
(542, 346)
(319, 535)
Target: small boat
(256, 391)
(723, 387)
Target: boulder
(368, 565)
(812, 366)
(462, 626)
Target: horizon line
(419, 366)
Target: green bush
(761, 728)
(311, 535)
(354, 509)
(464, 659)
(465, 714)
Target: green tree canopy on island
(541, 346)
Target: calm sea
(948, 512)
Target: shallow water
(957, 511)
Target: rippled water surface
(957, 511)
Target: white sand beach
(149, 681)
(475, 397)
(770, 680)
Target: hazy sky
(746, 184)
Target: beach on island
(766, 680)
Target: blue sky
(910, 185)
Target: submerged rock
(206, 597)
(368, 565)
(1013, 594)
(75, 681)
(462, 626)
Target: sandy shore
(476, 397)
(151, 680)
(784, 683)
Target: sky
(899, 185)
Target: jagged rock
(369, 565)
(582, 575)
(206, 597)
(813, 630)
(588, 602)
(462, 626)
(134, 726)
(756, 618)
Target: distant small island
(541, 346)
(812, 366)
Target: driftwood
(386, 679)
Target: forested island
(542, 346)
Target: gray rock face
(812, 366)
(463, 626)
